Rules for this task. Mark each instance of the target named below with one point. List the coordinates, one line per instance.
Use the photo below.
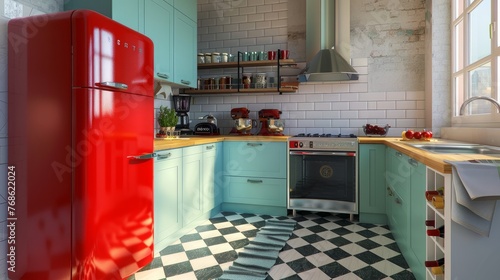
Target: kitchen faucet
(462, 108)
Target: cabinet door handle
(254, 181)
(210, 147)
(254, 144)
(398, 201)
(162, 75)
(399, 154)
(389, 191)
(412, 162)
(164, 156)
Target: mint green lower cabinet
(417, 229)
(405, 188)
(255, 159)
(211, 169)
(372, 166)
(167, 196)
(254, 177)
(192, 183)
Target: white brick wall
(340, 107)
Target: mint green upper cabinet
(185, 50)
(158, 25)
(127, 12)
(187, 7)
(372, 192)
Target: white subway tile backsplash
(248, 10)
(256, 17)
(396, 114)
(372, 114)
(386, 105)
(248, 42)
(406, 105)
(305, 106)
(361, 87)
(322, 106)
(340, 106)
(322, 123)
(340, 87)
(331, 114)
(396, 95)
(297, 115)
(238, 19)
(349, 114)
(264, 99)
(358, 105)
(314, 115)
(372, 96)
(247, 99)
(349, 97)
(415, 95)
(407, 123)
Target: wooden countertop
(433, 160)
(164, 144)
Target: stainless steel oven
(322, 174)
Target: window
(476, 58)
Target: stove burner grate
(327, 135)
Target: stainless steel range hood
(327, 42)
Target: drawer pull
(399, 154)
(209, 147)
(164, 156)
(412, 162)
(162, 75)
(254, 181)
(254, 144)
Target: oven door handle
(308, 153)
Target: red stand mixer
(242, 124)
(271, 124)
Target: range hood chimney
(327, 42)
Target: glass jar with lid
(224, 57)
(208, 58)
(201, 58)
(215, 57)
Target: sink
(457, 148)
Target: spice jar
(208, 58)
(215, 57)
(223, 57)
(201, 58)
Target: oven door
(323, 181)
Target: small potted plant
(167, 119)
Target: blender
(181, 106)
(242, 124)
(271, 125)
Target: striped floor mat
(261, 253)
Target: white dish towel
(476, 189)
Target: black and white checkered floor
(322, 246)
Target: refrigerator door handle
(113, 85)
(144, 156)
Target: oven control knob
(301, 144)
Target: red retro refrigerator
(80, 147)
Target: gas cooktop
(327, 135)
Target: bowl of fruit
(374, 130)
(410, 134)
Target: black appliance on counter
(182, 104)
(208, 126)
(323, 172)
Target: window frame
(459, 95)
